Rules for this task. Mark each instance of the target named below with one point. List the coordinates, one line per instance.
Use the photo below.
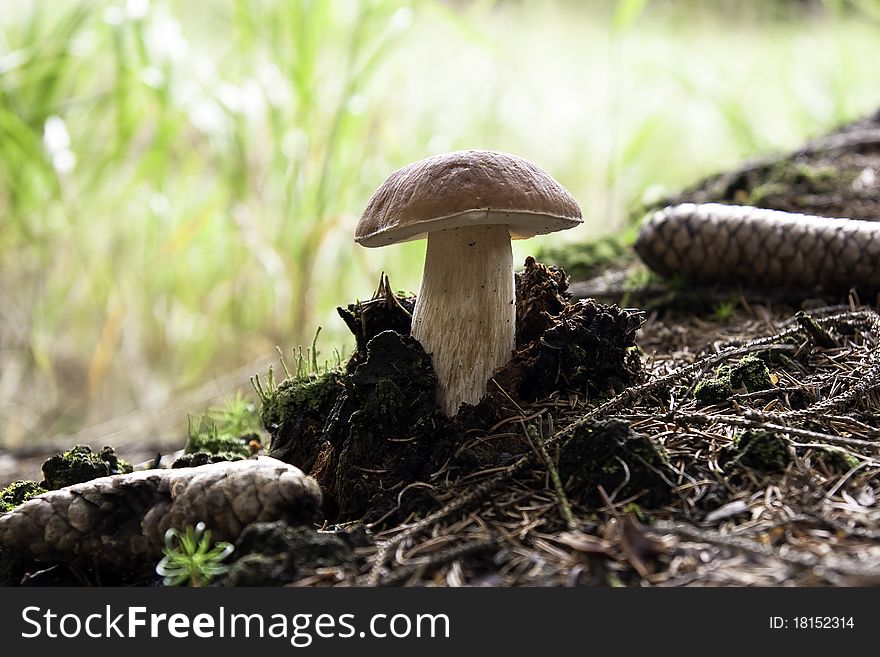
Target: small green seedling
(238, 416)
(190, 558)
(723, 311)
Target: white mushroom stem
(465, 314)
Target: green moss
(634, 509)
(204, 458)
(238, 416)
(81, 464)
(760, 194)
(759, 450)
(816, 179)
(716, 389)
(836, 459)
(19, 492)
(789, 178)
(294, 414)
(750, 374)
(611, 455)
(224, 431)
(584, 260)
(296, 397)
(211, 442)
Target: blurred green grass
(179, 182)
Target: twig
(564, 505)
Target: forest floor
(769, 440)
(683, 436)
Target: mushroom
(469, 204)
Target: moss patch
(750, 375)
(204, 458)
(796, 179)
(760, 450)
(835, 459)
(295, 414)
(81, 464)
(213, 443)
(365, 434)
(610, 454)
(228, 433)
(584, 260)
(19, 492)
(716, 389)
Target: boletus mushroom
(470, 205)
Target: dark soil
(372, 435)
(274, 553)
(608, 457)
(748, 456)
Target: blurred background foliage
(180, 181)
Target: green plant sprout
(238, 416)
(723, 311)
(205, 436)
(227, 428)
(306, 367)
(190, 558)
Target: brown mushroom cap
(466, 188)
